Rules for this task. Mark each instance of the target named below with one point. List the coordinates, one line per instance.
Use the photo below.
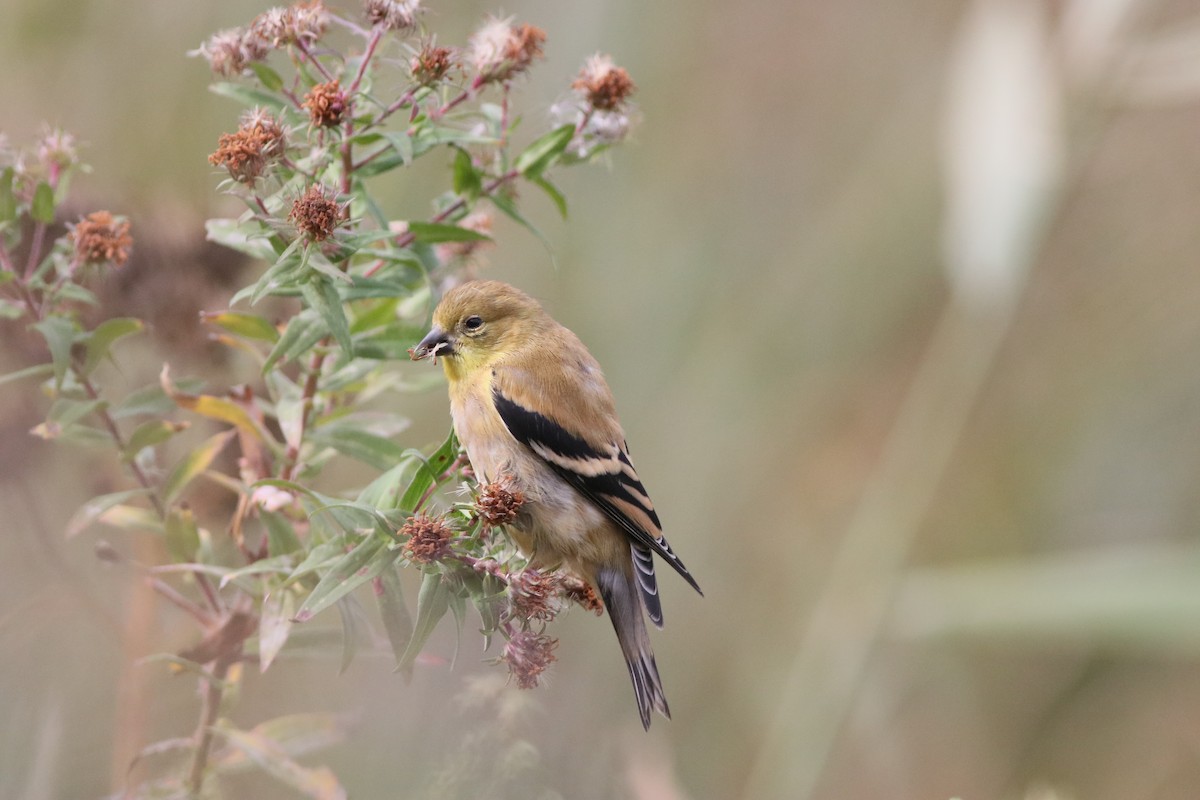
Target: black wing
(607, 479)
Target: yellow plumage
(530, 405)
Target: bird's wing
(601, 472)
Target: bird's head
(476, 323)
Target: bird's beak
(436, 343)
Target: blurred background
(901, 306)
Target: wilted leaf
(193, 464)
(217, 408)
(249, 326)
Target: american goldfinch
(530, 405)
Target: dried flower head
(500, 50)
(581, 592)
(245, 153)
(326, 104)
(101, 238)
(603, 85)
(428, 538)
(302, 24)
(57, 150)
(431, 64)
(229, 51)
(534, 595)
(478, 221)
(528, 655)
(316, 214)
(598, 106)
(393, 15)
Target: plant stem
(214, 689)
(406, 239)
(310, 391)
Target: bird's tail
(620, 594)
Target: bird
(531, 406)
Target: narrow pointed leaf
(193, 464)
(433, 602)
(357, 567)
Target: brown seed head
(302, 24)
(431, 64)
(316, 214)
(326, 104)
(394, 15)
(428, 539)
(101, 238)
(534, 595)
(499, 502)
(582, 593)
(229, 51)
(528, 655)
(245, 153)
(604, 85)
(499, 50)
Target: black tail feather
(620, 593)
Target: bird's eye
(473, 323)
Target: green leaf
(232, 234)
(560, 202)
(59, 333)
(93, 509)
(36, 371)
(397, 622)
(8, 200)
(269, 77)
(278, 608)
(302, 334)
(346, 610)
(435, 232)
(429, 471)
(320, 557)
(542, 152)
(152, 400)
(319, 783)
(323, 297)
(193, 464)
(281, 535)
(42, 208)
(150, 433)
(249, 96)
(378, 451)
(433, 602)
(182, 535)
(354, 569)
(248, 326)
(101, 340)
(384, 492)
(467, 181)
